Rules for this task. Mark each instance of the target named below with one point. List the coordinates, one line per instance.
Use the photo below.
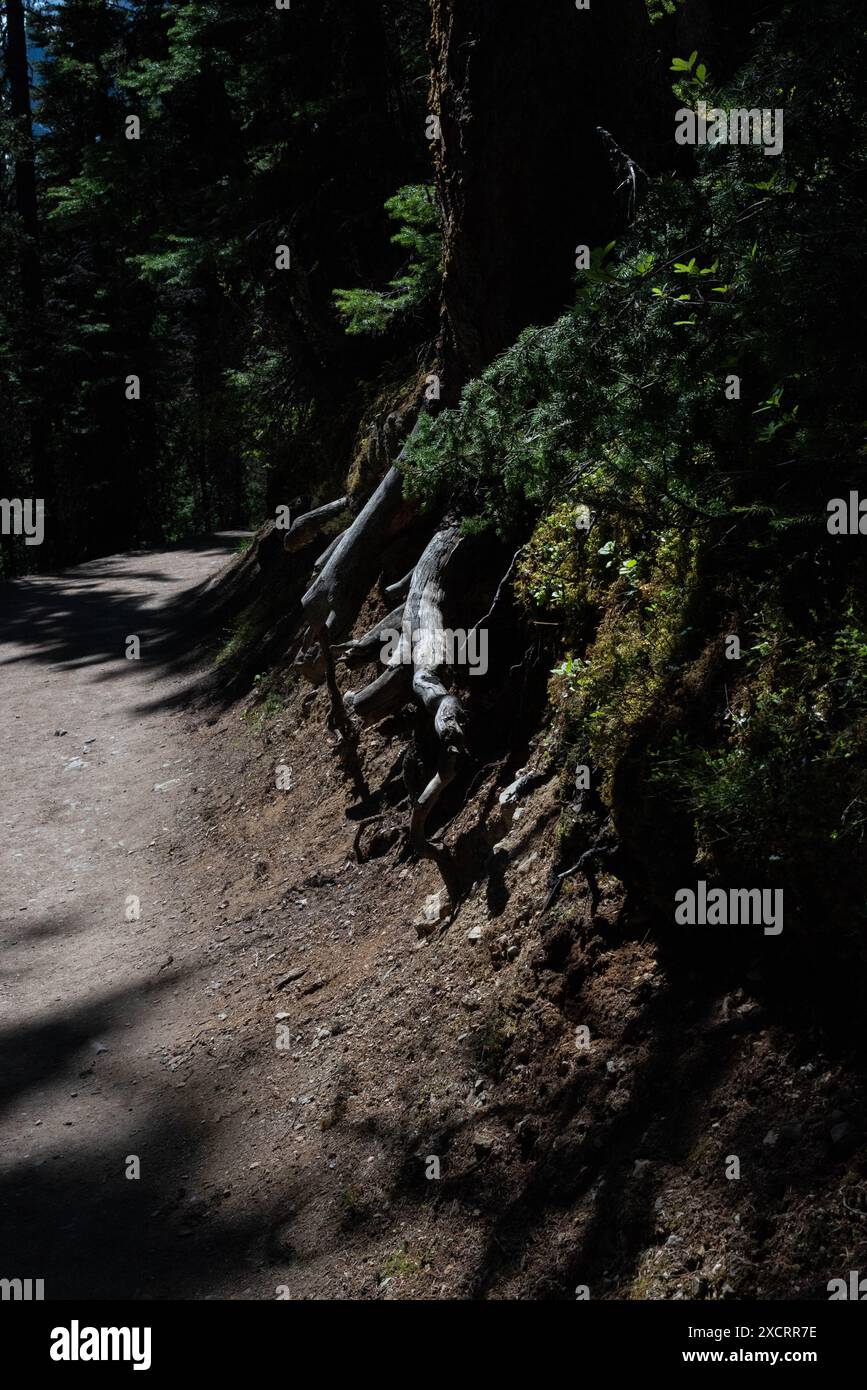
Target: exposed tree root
(342, 578)
(381, 697)
(588, 864)
(439, 855)
(339, 588)
(356, 839)
(368, 648)
(400, 588)
(306, 528)
(424, 620)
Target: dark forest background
(156, 256)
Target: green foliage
(694, 82)
(400, 1264)
(604, 696)
(701, 502)
(661, 9)
(787, 783)
(624, 395)
(373, 311)
(550, 575)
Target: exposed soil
(287, 1055)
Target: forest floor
(324, 1100)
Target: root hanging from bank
(424, 619)
(417, 664)
(306, 528)
(368, 648)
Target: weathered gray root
(369, 647)
(400, 588)
(381, 697)
(310, 662)
(306, 528)
(338, 590)
(330, 604)
(423, 619)
(348, 566)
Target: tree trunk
(523, 179)
(30, 269)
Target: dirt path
(271, 1085)
(95, 763)
(228, 1096)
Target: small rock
(433, 910)
(293, 975)
(59, 733)
(839, 1132)
(474, 934)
